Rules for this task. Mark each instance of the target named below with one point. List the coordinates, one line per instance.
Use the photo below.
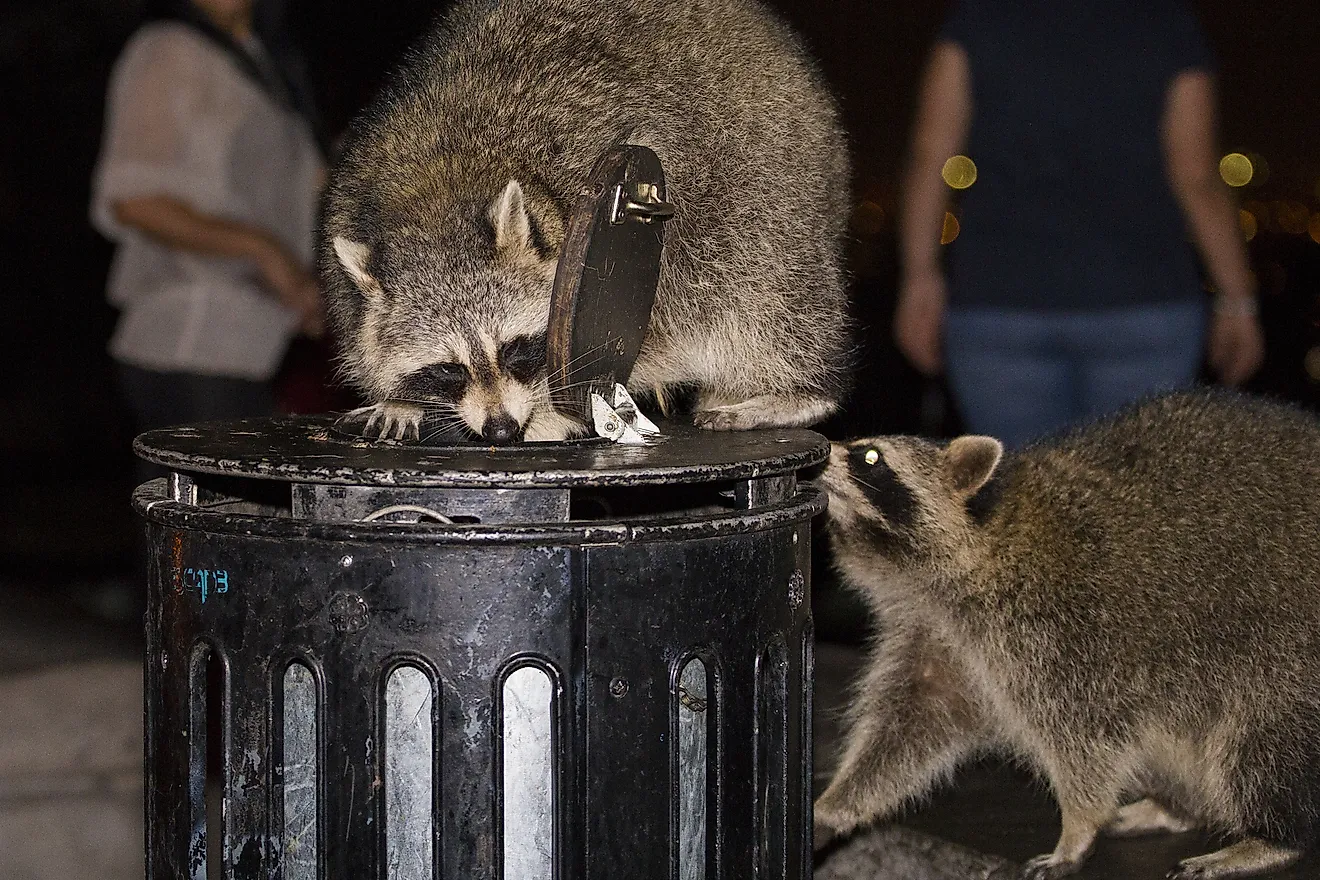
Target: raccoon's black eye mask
(443, 381)
(523, 357)
(883, 487)
(864, 458)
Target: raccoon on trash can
(444, 219)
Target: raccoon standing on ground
(1133, 610)
(444, 220)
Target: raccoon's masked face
(901, 502)
(458, 327)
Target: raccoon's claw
(716, 420)
(1049, 867)
(1198, 869)
(389, 420)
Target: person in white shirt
(207, 181)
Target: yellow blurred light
(1236, 169)
(1314, 228)
(1247, 221)
(959, 172)
(1312, 362)
(950, 230)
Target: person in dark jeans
(1071, 289)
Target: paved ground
(79, 821)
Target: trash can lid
(307, 449)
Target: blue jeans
(1018, 374)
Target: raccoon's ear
(508, 215)
(353, 256)
(970, 461)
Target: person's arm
(944, 113)
(1189, 135)
(175, 223)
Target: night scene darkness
(69, 545)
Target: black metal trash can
(530, 663)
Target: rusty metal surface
(305, 449)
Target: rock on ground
(893, 852)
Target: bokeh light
(950, 230)
(1236, 169)
(1292, 217)
(1314, 227)
(869, 219)
(1247, 221)
(959, 172)
(1312, 362)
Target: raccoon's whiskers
(593, 350)
(560, 392)
(579, 363)
(872, 486)
(424, 403)
(445, 427)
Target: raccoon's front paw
(1049, 867)
(836, 814)
(765, 411)
(1145, 817)
(822, 836)
(1245, 858)
(388, 420)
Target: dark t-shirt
(1071, 208)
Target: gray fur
(1132, 609)
(453, 192)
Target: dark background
(64, 460)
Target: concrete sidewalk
(71, 773)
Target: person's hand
(310, 308)
(1236, 346)
(294, 285)
(919, 320)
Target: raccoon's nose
(500, 429)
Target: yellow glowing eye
(872, 456)
(959, 172)
(1236, 169)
